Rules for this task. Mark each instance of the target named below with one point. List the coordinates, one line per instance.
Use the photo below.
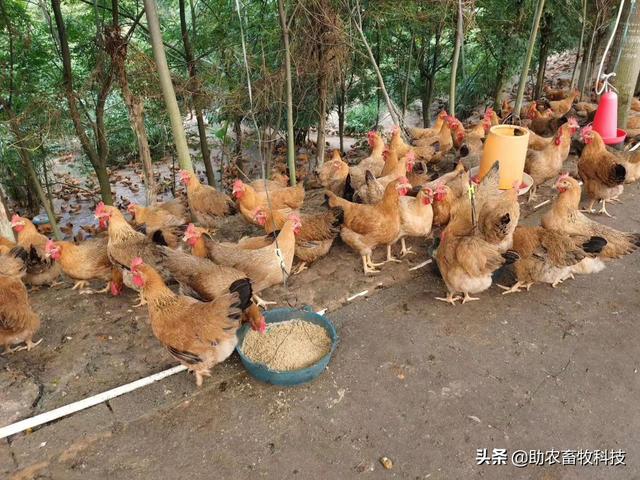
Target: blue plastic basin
(295, 377)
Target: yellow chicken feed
(287, 346)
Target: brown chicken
(334, 174)
(549, 256)
(449, 190)
(373, 188)
(554, 93)
(266, 266)
(315, 237)
(374, 162)
(18, 322)
(466, 260)
(40, 269)
(562, 107)
(367, 226)
(249, 199)
(197, 334)
(277, 182)
(416, 217)
(432, 150)
(166, 218)
(566, 217)
(635, 104)
(546, 163)
(631, 163)
(203, 280)
(415, 133)
(600, 171)
(85, 262)
(205, 202)
(6, 245)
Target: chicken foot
(468, 298)
(405, 250)
(302, 266)
(450, 298)
(141, 301)
(367, 265)
(260, 302)
(391, 258)
(80, 284)
(29, 344)
(515, 288)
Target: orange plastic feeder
(506, 144)
(606, 119)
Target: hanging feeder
(506, 144)
(606, 119)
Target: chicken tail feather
(244, 290)
(510, 256)
(594, 245)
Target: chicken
(466, 260)
(373, 189)
(473, 140)
(631, 162)
(334, 174)
(635, 104)
(584, 109)
(203, 280)
(266, 266)
(546, 163)
(449, 190)
(554, 93)
(549, 256)
(562, 107)
(205, 202)
(416, 133)
(315, 237)
(565, 216)
(249, 199)
(416, 217)
(374, 162)
(40, 269)
(505, 109)
(18, 321)
(538, 142)
(600, 171)
(6, 245)
(277, 182)
(367, 226)
(543, 123)
(166, 218)
(432, 150)
(197, 334)
(85, 262)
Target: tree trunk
(291, 154)
(97, 159)
(179, 137)
(25, 156)
(196, 94)
(527, 59)
(5, 224)
(585, 71)
(237, 130)
(499, 83)
(341, 111)
(616, 47)
(407, 75)
(628, 66)
(454, 62)
(545, 36)
(579, 54)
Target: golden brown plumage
(367, 226)
(566, 217)
(167, 217)
(86, 261)
(600, 171)
(333, 174)
(205, 202)
(197, 334)
(416, 217)
(373, 188)
(249, 199)
(415, 132)
(40, 269)
(18, 322)
(562, 107)
(374, 162)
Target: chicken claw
(301, 268)
(141, 302)
(450, 298)
(405, 250)
(604, 209)
(391, 258)
(468, 298)
(513, 289)
(260, 302)
(80, 284)
(27, 346)
(371, 264)
(366, 266)
(105, 289)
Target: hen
(566, 217)
(334, 174)
(166, 218)
(562, 107)
(266, 266)
(316, 235)
(197, 334)
(367, 226)
(416, 217)
(546, 163)
(85, 262)
(374, 162)
(40, 269)
(600, 171)
(373, 188)
(415, 133)
(18, 322)
(205, 202)
(549, 256)
(249, 199)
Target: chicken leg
(80, 284)
(405, 250)
(450, 298)
(260, 302)
(366, 265)
(391, 258)
(515, 288)
(468, 298)
(141, 301)
(29, 344)
(604, 209)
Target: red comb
(100, 208)
(136, 262)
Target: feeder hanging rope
(606, 76)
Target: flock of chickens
(380, 201)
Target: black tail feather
(243, 288)
(158, 238)
(619, 173)
(594, 245)
(21, 253)
(510, 256)
(348, 189)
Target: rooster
(197, 334)
(600, 171)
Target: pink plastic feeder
(606, 120)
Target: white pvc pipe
(86, 403)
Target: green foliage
(361, 118)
